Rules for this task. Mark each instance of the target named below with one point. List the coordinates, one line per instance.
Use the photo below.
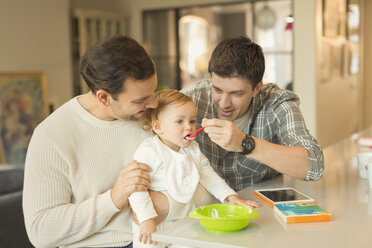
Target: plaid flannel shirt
(274, 115)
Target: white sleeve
(212, 182)
(141, 202)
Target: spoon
(192, 137)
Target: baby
(178, 165)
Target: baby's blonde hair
(164, 98)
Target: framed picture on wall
(354, 63)
(334, 18)
(352, 60)
(23, 105)
(353, 20)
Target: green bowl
(224, 218)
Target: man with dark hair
(79, 170)
(253, 131)
(104, 68)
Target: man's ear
(257, 88)
(103, 97)
(156, 127)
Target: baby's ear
(156, 127)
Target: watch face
(247, 145)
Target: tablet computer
(281, 195)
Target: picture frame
(334, 18)
(352, 60)
(353, 20)
(23, 105)
(354, 64)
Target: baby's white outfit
(177, 174)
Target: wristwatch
(247, 145)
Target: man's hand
(235, 199)
(146, 229)
(134, 177)
(224, 133)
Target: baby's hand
(146, 229)
(235, 199)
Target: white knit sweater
(72, 162)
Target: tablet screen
(281, 195)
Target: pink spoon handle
(196, 133)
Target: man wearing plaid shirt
(252, 131)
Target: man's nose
(225, 101)
(152, 102)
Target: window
(190, 34)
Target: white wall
(367, 53)
(304, 60)
(106, 5)
(35, 36)
(332, 109)
(338, 99)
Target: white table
(341, 192)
